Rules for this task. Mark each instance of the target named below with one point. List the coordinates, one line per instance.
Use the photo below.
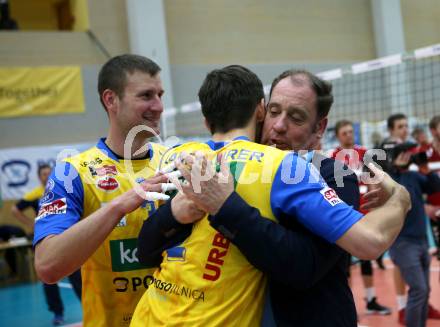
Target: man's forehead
(294, 86)
(137, 77)
(346, 128)
(401, 122)
(293, 94)
(140, 81)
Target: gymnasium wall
(63, 129)
(108, 21)
(268, 37)
(219, 32)
(421, 22)
(50, 47)
(33, 48)
(38, 42)
(34, 15)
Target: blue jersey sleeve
(299, 191)
(62, 203)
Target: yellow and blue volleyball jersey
(34, 194)
(206, 281)
(113, 281)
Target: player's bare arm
(57, 256)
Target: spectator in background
(376, 139)
(31, 200)
(397, 125)
(6, 22)
(352, 155)
(410, 250)
(421, 138)
(433, 153)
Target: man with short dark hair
(397, 125)
(352, 155)
(31, 199)
(92, 210)
(410, 250)
(433, 154)
(263, 242)
(421, 138)
(294, 87)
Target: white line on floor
(65, 285)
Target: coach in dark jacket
(307, 275)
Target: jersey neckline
(218, 145)
(101, 145)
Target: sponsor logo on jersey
(107, 184)
(50, 185)
(150, 206)
(174, 289)
(56, 207)
(124, 284)
(103, 171)
(48, 196)
(243, 155)
(124, 255)
(92, 171)
(176, 253)
(171, 158)
(216, 257)
(133, 284)
(330, 196)
(107, 170)
(96, 161)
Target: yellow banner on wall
(40, 91)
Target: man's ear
(109, 99)
(261, 111)
(321, 126)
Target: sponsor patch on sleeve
(330, 196)
(50, 185)
(55, 207)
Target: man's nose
(157, 104)
(280, 125)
